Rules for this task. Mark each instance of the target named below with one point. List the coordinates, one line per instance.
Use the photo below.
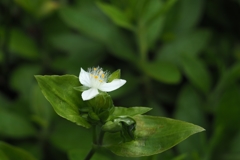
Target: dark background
(180, 57)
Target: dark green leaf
(67, 136)
(193, 11)
(14, 153)
(15, 126)
(196, 72)
(94, 25)
(131, 111)
(163, 71)
(22, 79)
(88, 23)
(114, 75)
(66, 101)
(189, 108)
(22, 45)
(117, 16)
(42, 111)
(191, 44)
(153, 135)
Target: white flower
(96, 79)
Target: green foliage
(8, 152)
(179, 57)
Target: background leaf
(14, 153)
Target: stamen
(102, 75)
(96, 77)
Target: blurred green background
(180, 57)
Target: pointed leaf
(131, 111)
(153, 135)
(117, 16)
(66, 101)
(163, 71)
(114, 75)
(196, 71)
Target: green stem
(90, 154)
(100, 140)
(97, 142)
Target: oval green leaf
(163, 71)
(66, 101)
(153, 135)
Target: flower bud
(100, 106)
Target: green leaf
(163, 71)
(88, 23)
(196, 72)
(131, 111)
(14, 153)
(192, 44)
(153, 135)
(117, 16)
(191, 9)
(23, 45)
(114, 75)
(94, 25)
(66, 101)
(14, 126)
(22, 79)
(81, 88)
(189, 108)
(40, 107)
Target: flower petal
(89, 94)
(115, 84)
(84, 78)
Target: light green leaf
(114, 75)
(14, 126)
(66, 101)
(14, 153)
(131, 111)
(117, 16)
(153, 135)
(196, 72)
(22, 45)
(163, 71)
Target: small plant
(124, 131)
